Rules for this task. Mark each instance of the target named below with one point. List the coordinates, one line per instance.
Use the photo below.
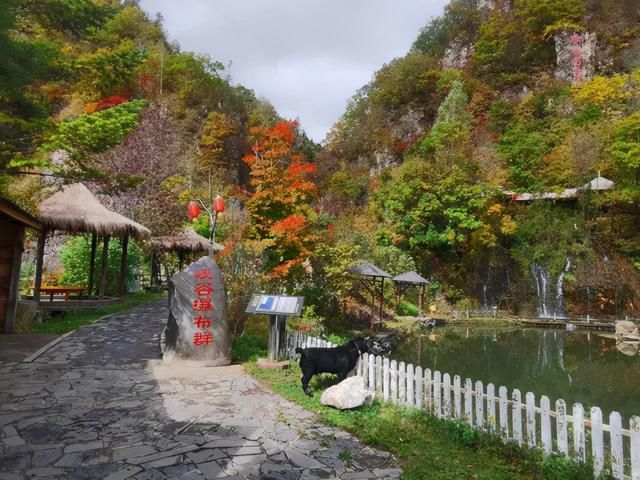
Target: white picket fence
(578, 434)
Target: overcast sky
(307, 57)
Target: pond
(583, 367)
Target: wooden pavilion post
(421, 300)
(92, 262)
(37, 282)
(381, 318)
(103, 272)
(123, 265)
(14, 281)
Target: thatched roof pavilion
(187, 241)
(182, 243)
(75, 209)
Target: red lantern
(218, 204)
(194, 210)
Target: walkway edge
(49, 345)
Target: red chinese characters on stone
(202, 338)
(203, 274)
(203, 290)
(203, 322)
(202, 305)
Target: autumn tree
(279, 206)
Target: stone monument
(197, 328)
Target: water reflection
(581, 367)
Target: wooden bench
(59, 290)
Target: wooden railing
(578, 434)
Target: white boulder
(349, 393)
(626, 329)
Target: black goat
(338, 360)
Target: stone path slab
(101, 405)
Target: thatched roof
(412, 278)
(188, 240)
(75, 209)
(368, 270)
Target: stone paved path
(100, 404)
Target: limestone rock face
(197, 328)
(575, 56)
(457, 54)
(383, 159)
(349, 393)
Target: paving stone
(125, 473)
(357, 475)
(163, 462)
(44, 472)
(211, 470)
(387, 472)
(42, 458)
(132, 452)
(157, 456)
(243, 451)
(83, 447)
(70, 460)
(10, 476)
(13, 441)
(301, 460)
(206, 455)
(150, 475)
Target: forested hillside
(465, 160)
(494, 99)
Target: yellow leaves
(607, 92)
(495, 209)
(508, 226)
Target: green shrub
(75, 257)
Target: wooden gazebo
(75, 209)
(411, 279)
(372, 279)
(182, 243)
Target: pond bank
(427, 446)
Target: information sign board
(275, 304)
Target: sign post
(278, 307)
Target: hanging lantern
(194, 210)
(218, 204)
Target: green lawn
(63, 323)
(427, 447)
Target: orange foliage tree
(282, 190)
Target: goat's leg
(306, 378)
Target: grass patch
(68, 321)
(427, 446)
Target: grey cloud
(307, 57)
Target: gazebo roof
(412, 278)
(368, 270)
(75, 209)
(188, 240)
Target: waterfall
(559, 292)
(549, 306)
(541, 275)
